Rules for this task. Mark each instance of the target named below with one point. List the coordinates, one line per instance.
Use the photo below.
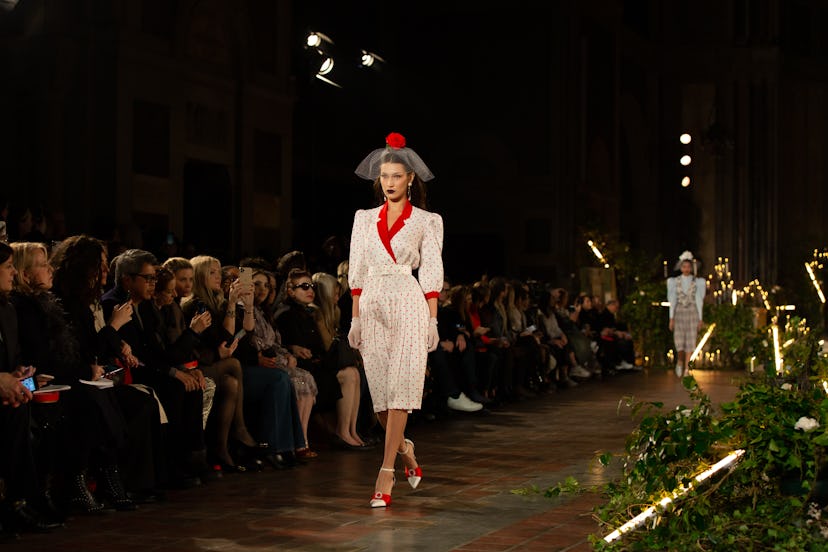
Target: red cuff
(432, 295)
(356, 292)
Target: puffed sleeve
(356, 263)
(431, 257)
(701, 291)
(672, 295)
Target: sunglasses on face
(304, 286)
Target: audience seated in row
(178, 372)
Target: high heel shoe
(250, 457)
(382, 500)
(414, 475)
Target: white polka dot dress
(392, 307)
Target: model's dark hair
(77, 264)
(418, 193)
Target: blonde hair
(201, 291)
(24, 258)
(326, 300)
(342, 275)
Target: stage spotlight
(316, 40)
(326, 67)
(370, 59)
(685, 160)
(685, 139)
(685, 182)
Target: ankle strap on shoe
(387, 469)
(408, 446)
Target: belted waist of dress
(385, 270)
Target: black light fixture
(322, 51)
(324, 70)
(318, 41)
(371, 60)
(320, 47)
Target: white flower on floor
(806, 424)
(786, 386)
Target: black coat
(298, 327)
(46, 340)
(94, 347)
(450, 324)
(9, 344)
(206, 347)
(146, 334)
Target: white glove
(355, 333)
(433, 335)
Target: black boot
(80, 499)
(22, 518)
(45, 504)
(111, 488)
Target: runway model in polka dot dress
(394, 322)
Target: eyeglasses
(149, 278)
(305, 286)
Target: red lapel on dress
(382, 226)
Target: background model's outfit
(686, 297)
(392, 308)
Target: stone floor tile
(465, 501)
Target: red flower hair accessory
(395, 140)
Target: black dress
(298, 327)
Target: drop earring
(409, 191)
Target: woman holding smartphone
(17, 468)
(265, 400)
(394, 323)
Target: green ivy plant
(771, 500)
(736, 335)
